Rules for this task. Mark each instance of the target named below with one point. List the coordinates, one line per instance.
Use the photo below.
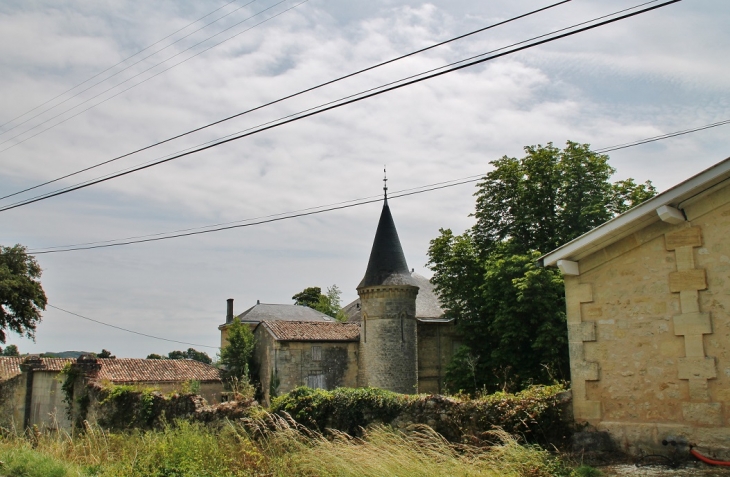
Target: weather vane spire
(385, 184)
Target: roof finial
(385, 184)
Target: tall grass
(273, 446)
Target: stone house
(648, 310)
(31, 394)
(395, 338)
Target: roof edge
(679, 193)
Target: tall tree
(236, 355)
(308, 297)
(10, 350)
(510, 313)
(21, 296)
(327, 303)
(191, 353)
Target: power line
(130, 331)
(146, 79)
(340, 104)
(321, 85)
(115, 65)
(276, 218)
(662, 136)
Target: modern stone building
(648, 310)
(395, 338)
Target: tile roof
(274, 312)
(312, 331)
(127, 370)
(10, 366)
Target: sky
(655, 73)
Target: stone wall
(388, 346)
(649, 332)
(12, 402)
(327, 365)
(437, 343)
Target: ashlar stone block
(689, 236)
(695, 279)
(692, 324)
(697, 368)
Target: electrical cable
(662, 136)
(259, 222)
(146, 79)
(130, 331)
(115, 65)
(255, 218)
(321, 85)
(340, 104)
(120, 71)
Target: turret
(388, 342)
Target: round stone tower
(388, 346)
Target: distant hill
(64, 354)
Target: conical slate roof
(387, 265)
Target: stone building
(395, 338)
(30, 387)
(648, 310)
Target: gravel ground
(690, 469)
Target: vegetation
(327, 303)
(236, 355)
(272, 447)
(21, 296)
(191, 353)
(105, 353)
(510, 312)
(10, 350)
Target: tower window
(316, 353)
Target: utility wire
(146, 79)
(120, 71)
(662, 136)
(115, 65)
(130, 331)
(259, 222)
(321, 85)
(334, 106)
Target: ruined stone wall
(388, 346)
(12, 402)
(436, 345)
(649, 332)
(263, 361)
(298, 363)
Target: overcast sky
(655, 73)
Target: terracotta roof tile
(312, 331)
(10, 366)
(128, 370)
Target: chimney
(229, 310)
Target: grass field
(275, 447)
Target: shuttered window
(316, 353)
(316, 381)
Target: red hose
(707, 460)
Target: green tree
(308, 297)
(328, 303)
(510, 313)
(21, 296)
(10, 350)
(191, 353)
(236, 355)
(155, 356)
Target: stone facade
(649, 330)
(388, 346)
(437, 343)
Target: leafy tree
(510, 313)
(10, 350)
(155, 356)
(308, 297)
(236, 355)
(105, 354)
(21, 296)
(328, 303)
(191, 353)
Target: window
(316, 381)
(316, 353)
